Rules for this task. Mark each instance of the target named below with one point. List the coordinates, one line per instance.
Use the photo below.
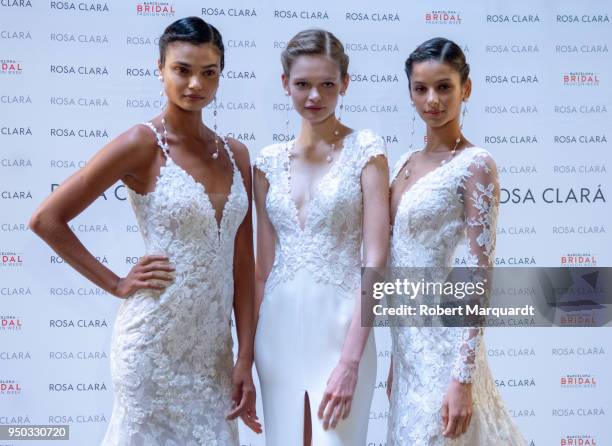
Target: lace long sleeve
(480, 193)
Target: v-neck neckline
(204, 192)
(313, 187)
(198, 184)
(422, 177)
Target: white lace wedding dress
(310, 296)
(452, 204)
(171, 354)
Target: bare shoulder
(140, 141)
(131, 153)
(376, 170)
(137, 147)
(379, 161)
(240, 153)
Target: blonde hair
(315, 42)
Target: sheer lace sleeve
(480, 194)
(481, 205)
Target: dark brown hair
(442, 50)
(192, 30)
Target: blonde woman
(318, 199)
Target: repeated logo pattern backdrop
(75, 74)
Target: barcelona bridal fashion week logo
(10, 387)
(581, 79)
(155, 9)
(582, 259)
(11, 67)
(11, 259)
(578, 381)
(10, 322)
(443, 17)
(578, 440)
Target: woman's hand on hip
(152, 272)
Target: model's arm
(481, 202)
(244, 264)
(337, 399)
(266, 237)
(390, 379)
(123, 157)
(243, 389)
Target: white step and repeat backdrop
(75, 74)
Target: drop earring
(463, 113)
(329, 158)
(458, 140)
(412, 124)
(287, 108)
(215, 155)
(411, 147)
(341, 106)
(161, 91)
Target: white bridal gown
(171, 354)
(310, 296)
(452, 204)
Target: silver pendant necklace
(329, 158)
(215, 154)
(444, 161)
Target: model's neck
(443, 138)
(188, 123)
(313, 134)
